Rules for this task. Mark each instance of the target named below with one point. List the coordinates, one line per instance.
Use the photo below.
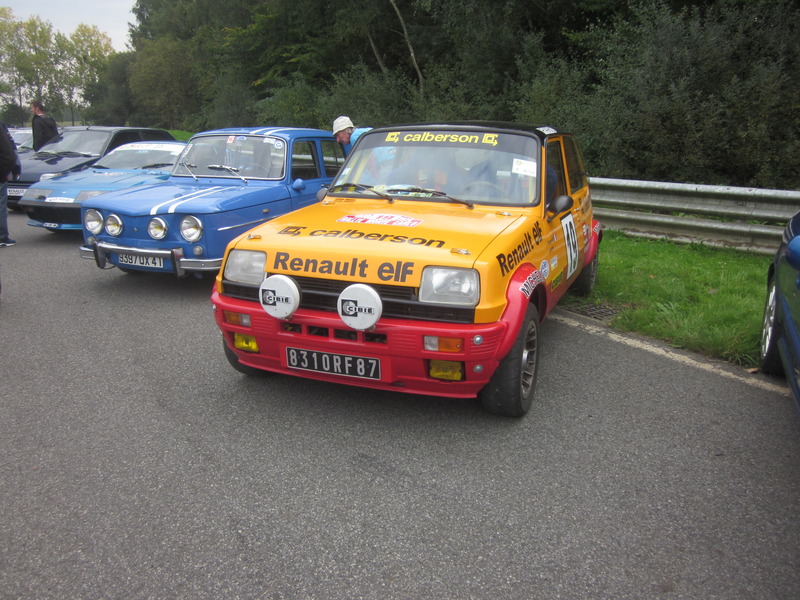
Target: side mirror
(560, 205)
(298, 185)
(321, 193)
(792, 253)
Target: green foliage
(40, 64)
(704, 299)
(699, 91)
(162, 85)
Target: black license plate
(334, 364)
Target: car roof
(107, 128)
(284, 132)
(539, 131)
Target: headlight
(93, 221)
(36, 194)
(157, 228)
(86, 195)
(246, 266)
(191, 228)
(113, 225)
(449, 285)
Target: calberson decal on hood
(368, 241)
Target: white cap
(341, 123)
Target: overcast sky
(109, 16)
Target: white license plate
(136, 260)
(334, 364)
(16, 191)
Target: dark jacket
(8, 156)
(44, 130)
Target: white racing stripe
(674, 356)
(173, 203)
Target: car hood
(38, 163)
(207, 195)
(104, 180)
(378, 232)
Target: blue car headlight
(191, 228)
(93, 221)
(114, 225)
(157, 228)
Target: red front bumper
(397, 344)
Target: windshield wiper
(357, 187)
(74, 153)
(154, 165)
(186, 166)
(418, 190)
(231, 170)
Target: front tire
(770, 355)
(511, 388)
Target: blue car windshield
(141, 155)
(82, 141)
(233, 156)
(474, 166)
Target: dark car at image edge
(780, 338)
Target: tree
(162, 85)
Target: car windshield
(469, 165)
(22, 138)
(141, 155)
(236, 156)
(82, 141)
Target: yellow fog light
(235, 318)
(245, 342)
(443, 344)
(446, 369)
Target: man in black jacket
(44, 127)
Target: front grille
(399, 302)
(54, 214)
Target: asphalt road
(135, 463)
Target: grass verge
(703, 299)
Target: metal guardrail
(743, 218)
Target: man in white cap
(346, 133)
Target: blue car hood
(72, 184)
(207, 195)
(34, 165)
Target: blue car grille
(54, 214)
(398, 302)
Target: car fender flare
(526, 285)
(594, 242)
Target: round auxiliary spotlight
(279, 296)
(359, 306)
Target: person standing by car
(346, 133)
(9, 166)
(44, 127)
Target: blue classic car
(75, 148)
(55, 203)
(780, 339)
(225, 182)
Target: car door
(307, 175)
(577, 181)
(560, 227)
